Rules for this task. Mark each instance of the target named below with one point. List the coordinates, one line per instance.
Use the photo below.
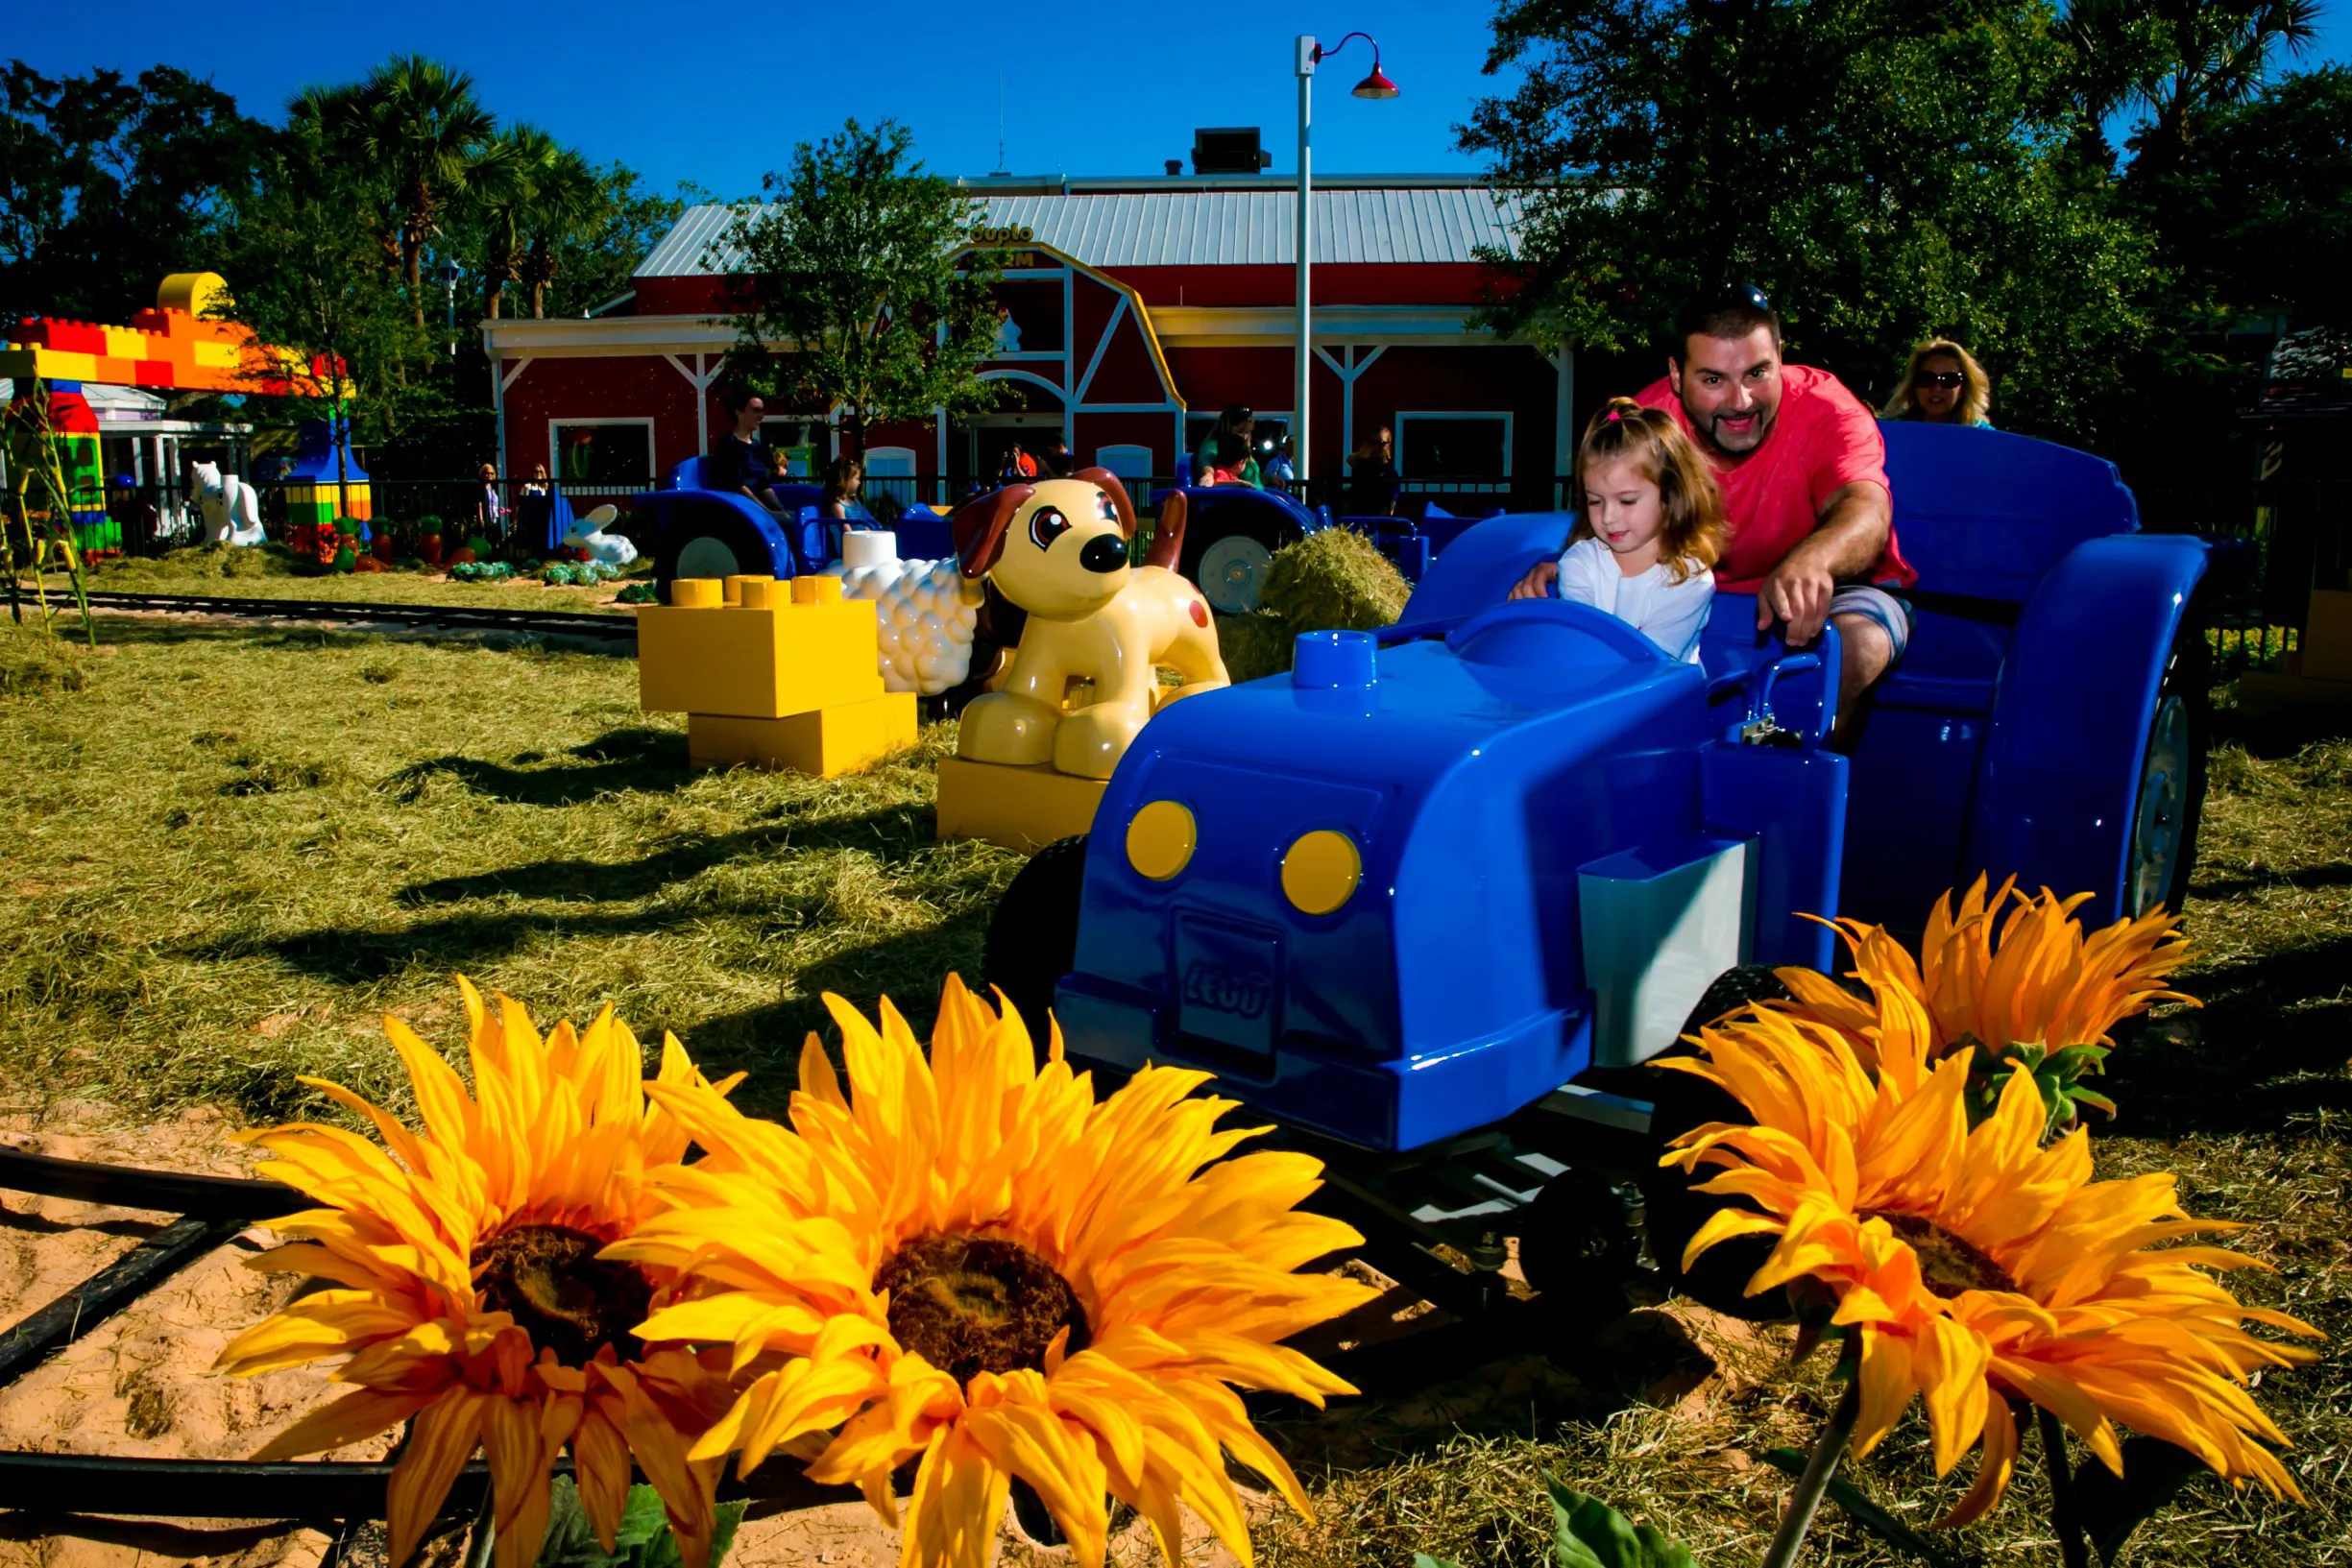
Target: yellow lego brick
(1020, 807)
(213, 356)
(764, 659)
(828, 743)
(128, 343)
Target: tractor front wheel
(1033, 936)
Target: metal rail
(449, 617)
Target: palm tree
(565, 196)
(505, 184)
(2176, 58)
(336, 117)
(418, 123)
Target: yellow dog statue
(1057, 549)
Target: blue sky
(1089, 89)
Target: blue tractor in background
(697, 532)
(1429, 900)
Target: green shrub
(1335, 581)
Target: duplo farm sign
(987, 234)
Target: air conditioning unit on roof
(1229, 148)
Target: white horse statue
(587, 534)
(231, 509)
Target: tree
(505, 210)
(109, 186)
(418, 122)
(2177, 59)
(2256, 218)
(862, 263)
(315, 283)
(595, 259)
(1883, 169)
(565, 196)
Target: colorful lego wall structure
(73, 443)
(318, 488)
(176, 344)
(772, 672)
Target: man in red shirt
(1803, 469)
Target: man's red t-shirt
(1823, 441)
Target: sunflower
(1980, 1266)
(471, 1294)
(970, 1262)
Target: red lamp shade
(1375, 86)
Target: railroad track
(448, 617)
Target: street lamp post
(450, 272)
(1375, 86)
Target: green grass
(228, 850)
(231, 849)
(241, 573)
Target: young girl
(1651, 528)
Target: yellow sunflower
(970, 1262)
(2041, 982)
(1980, 1266)
(472, 1293)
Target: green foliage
(1882, 170)
(106, 185)
(1335, 581)
(638, 594)
(2057, 1074)
(1588, 1534)
(644, 1539)
(858, 259)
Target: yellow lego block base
(1020, 807)
(828, 743)
(780, 649)
(2327, 636)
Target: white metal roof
(1393, 225)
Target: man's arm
(1847, 541)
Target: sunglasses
(1942, 378)
(1741, 296)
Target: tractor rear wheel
(2169, 799)
(1033, 936)
(1576, 1245)
(1230, 569)
(1673, 1212)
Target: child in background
(1650, 530)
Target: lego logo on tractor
(1224, 990)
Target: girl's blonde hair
(1690, 536)
(1976, 395)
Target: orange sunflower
(2038, 981)
(1978, 1266)
(471, 1296)
(970, 1262)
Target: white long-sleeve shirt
(1670, 613)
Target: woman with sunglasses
(1943, 385)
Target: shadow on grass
(2335, 875)
(901, 829)
(2274, 733)
(2270, 1044)
(640, 759)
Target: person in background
(1237, 424)
(534, 509)
(739, 460)
(1019, 466)
(1054, 459)
(491, 510)
(1277, 470)
(1649, 531)
(779, 466)
(1372, 484)
(1943, 385)
(538, 485)
(1226, 458)
(844, 479)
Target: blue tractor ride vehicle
(1430, 901)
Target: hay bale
(1335, 581)
(1254, 644)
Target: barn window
(1448, 446)
(601, 456)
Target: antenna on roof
(999, 121)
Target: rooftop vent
(1230, 148)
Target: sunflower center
(1947, 1264)
(973, 1304)
(561, 1293)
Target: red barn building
(1134, 310)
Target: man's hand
(1798, 593)
(1537, 583)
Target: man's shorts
(1889, 610)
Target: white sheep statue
(587, 534)
(927, 612)
(231, 508)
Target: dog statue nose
(1105, 553)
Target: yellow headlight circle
(1321, 871)
(1160, 840)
